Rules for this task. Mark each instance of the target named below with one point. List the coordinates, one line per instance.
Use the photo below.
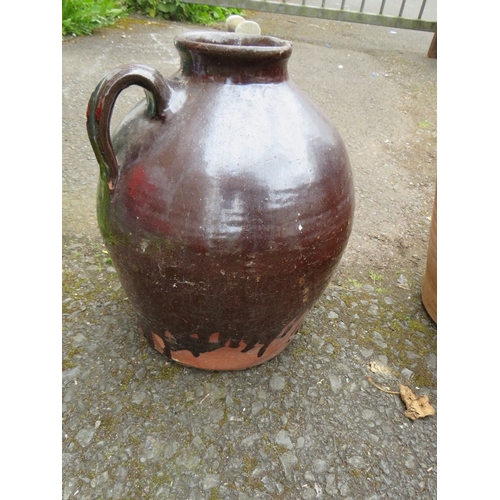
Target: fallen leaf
(377, 368)
(416, 407)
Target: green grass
(82, 17)
(180, 11)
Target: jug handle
(102, 101)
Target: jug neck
(233, 58)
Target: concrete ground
(307, 424)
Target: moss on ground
(401, 327)
(249, 464)
(71, 352)
(214, 494)
(169, 371)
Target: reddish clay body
(225, 201)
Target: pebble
(379, 340)
(320, 465)
(344, 489)
(170, 449)
(188, 460)
(383, 359)
(431, 360)
(277, 382)
(138, 397)
(282, 438)
(366, 353)
(402, 280)
(268, 484)
(368, 414)
(308, 476)
(197, 442)
(357, 461)
(309, 494)
(84, 436)
(257, 406)
(71, 374)
(249, 441)
(211, 481)
(331, 485)
(288, 460)
(329, 349)
(412, 355)
(410, 462)
(335, 382)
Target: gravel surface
(307, 424)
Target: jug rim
(229, 43)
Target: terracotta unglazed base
(228, 358)
(231, 358)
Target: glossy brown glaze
(232, 203)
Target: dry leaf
(416, 407)
(377, 368)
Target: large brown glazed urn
(225, 199)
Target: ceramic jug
(225, 199)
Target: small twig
(381, 388)
(204, 398)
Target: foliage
(81, 17)
(180, 11)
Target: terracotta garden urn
(429, 281)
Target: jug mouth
(227, 43)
